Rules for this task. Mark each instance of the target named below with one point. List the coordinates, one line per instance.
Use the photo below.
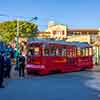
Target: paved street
(83, 85)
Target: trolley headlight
(42, 66)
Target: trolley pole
(17, 44)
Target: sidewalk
(95, 68)
(15, 74)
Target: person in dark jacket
(8, 66)
(1, 70)
(21, 65)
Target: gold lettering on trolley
(80, 61)
(60, 61)
(36, 62)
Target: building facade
(57, 31)
(90, 35)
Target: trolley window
(46, 52)
(87, 51)
(78, 51)
(57, 51)
(53, 51)
(62, 51)
(37, 51)
(90, 51)
(33, 51)
(83, 52)
(75, 52)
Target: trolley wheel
(83, 69)
(63, 71)
(29, 73)
(43, 72)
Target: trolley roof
(62, 42)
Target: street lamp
(17, 45)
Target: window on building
(74, 33)
(54, 32)
(77, 33)
(83, 33)
(70, 33)
(63, 32)
(87, 33)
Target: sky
(73, 13)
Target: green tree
(8, 30)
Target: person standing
(21, 65)
(8, 65)
(1, 70)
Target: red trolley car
(46, 56)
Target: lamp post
(17, 45)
